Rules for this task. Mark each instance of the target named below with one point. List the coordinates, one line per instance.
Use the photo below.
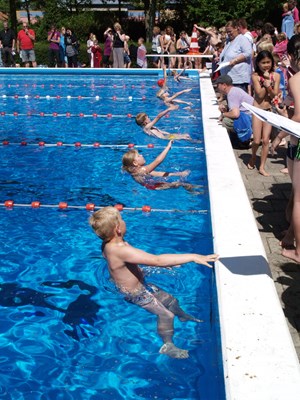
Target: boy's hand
(204, 260)
(169, 145)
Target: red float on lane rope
(119, 207)
(77, 144)
(35, 204)
(146, 208)
(131, 145)
(59, 143)
(9, 203)
(5, 142)
(90, 206)
(96, 144)
(150, 145)
(62, 205)
(41, 144)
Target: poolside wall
(260, 361)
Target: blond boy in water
(123, 264)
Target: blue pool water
(65, 332)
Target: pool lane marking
(85, 207)
(82, 115)
(98, 145)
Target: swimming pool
(66, 333)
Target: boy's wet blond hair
(140, 118)
(128, 159)
(104, 222)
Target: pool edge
(259, 358)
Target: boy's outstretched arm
(132, 255)
(159, 159)
(160, 115)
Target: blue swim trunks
(144, 296)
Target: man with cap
(235, 118)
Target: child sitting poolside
(144, 121)
(134, 164)
(163, 94)
(123, 264)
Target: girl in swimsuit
(266, 86)
(135, 164)
(289, 251)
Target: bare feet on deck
(263, 172)
(291, 253)
(172, 351)
(251, 164)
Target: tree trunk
(13, 14)
(150, 10)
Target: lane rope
(9, 204)
(98, 145)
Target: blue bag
(243, 126)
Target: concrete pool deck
(260, 361)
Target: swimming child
(168, 100)
(135, 164)
(266, 86)
(149, 127)
(178, 76)
(123, 264)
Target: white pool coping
(259, 358)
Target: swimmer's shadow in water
(82, 311)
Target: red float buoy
(109, 115)
(58, 97)
(2, 112)
(37, 96)
(54, 114)
(131, 145)
(15, 114)
(16, 96)
(114, 98)
(96, 144)
(150, 145)
(9, 203)
(90, 206)
(5, 142)
(144, 98)
(62, 205)
(77, 144)
(41, 144)
(95, 115)
(129, 115)
(79, 97)
(42, 114)
(161, 82)
(59, 143)
(35, 204)
(119, 207)
(29, 114)
(146, 208)
(23, 143)
(68, 114)
(81, 115)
